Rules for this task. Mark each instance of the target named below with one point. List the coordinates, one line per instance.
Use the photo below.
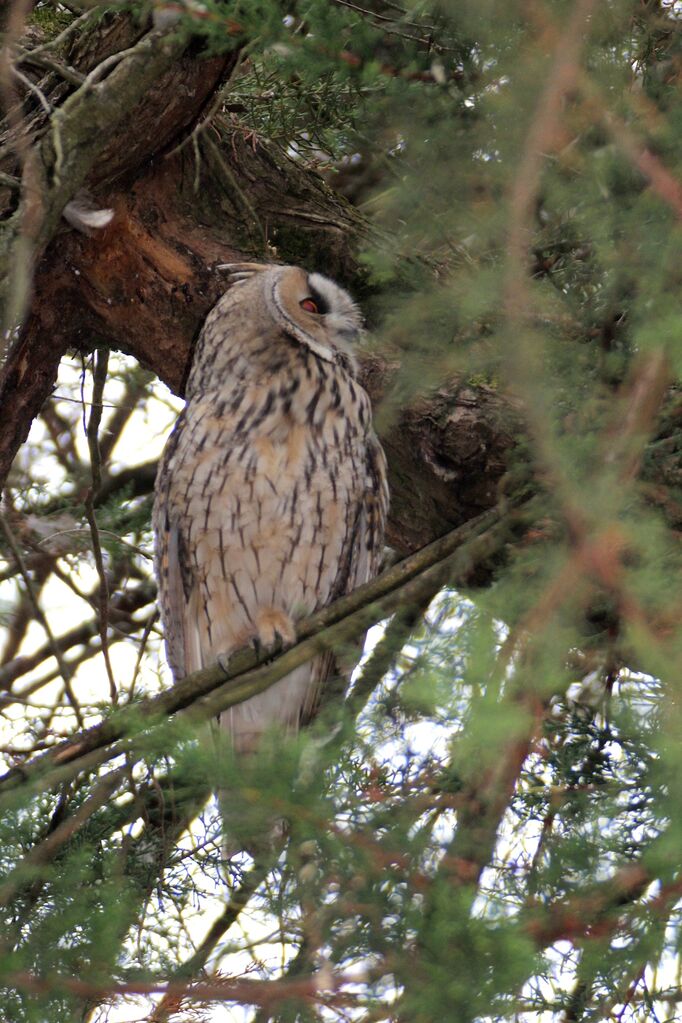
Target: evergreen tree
(486, 825)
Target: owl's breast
(270, 496)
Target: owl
(271, 494)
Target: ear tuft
(238, 272)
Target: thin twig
(92, 649)
(66, 33)
(122, 605)
(64, 669)
(390, 27)
(135, 388)
(78, 530)
(32, 87)
(400, 628)
(171, 1003)
(69, 74)
(148, 627)
(23, 614)
(110, 62)
(43, 853)
(99, 380)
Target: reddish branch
(594, 914)
(248, 992)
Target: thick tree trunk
(119, 118)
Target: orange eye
(309, 305)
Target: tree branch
(156, 91)
(204, 694)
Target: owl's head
(310, 308)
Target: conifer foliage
(485, 826)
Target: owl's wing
(367, 548)
(175, 597)
(359, 563)
(177, 593)
(182, 610)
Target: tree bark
(103, 130)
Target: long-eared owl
(271, 494)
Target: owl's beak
(349, 335)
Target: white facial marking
(343, 316)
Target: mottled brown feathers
(271, 494)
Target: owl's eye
(309, 305)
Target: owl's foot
(275, 625)
(223, 662)
(256, 646)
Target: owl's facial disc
(316, 312)
(341, 315)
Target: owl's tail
(287, 703)
(250, 820)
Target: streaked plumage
(271, 494)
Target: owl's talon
(275, 628)
(256, 646)
(223, 661)
(265, 652)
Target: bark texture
(107, 128)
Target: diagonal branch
(54, 648)
(207, 692)
(192, 967)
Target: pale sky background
(142, 440)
